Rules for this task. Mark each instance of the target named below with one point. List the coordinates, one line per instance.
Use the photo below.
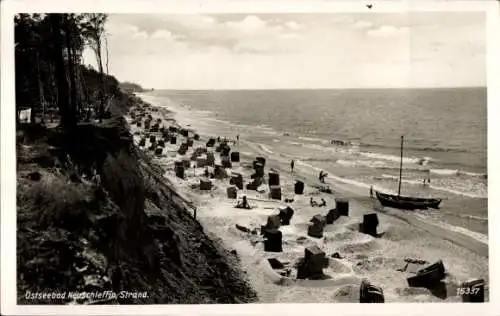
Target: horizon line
(346, 88)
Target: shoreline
(466, 213)
(219, 217)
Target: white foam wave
(350, 163)
(266, 149)
(342, 150)
(445, 172)
(413, 160)
(311, 139)
(390, 177)
(362, 163)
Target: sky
(298, 51)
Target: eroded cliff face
(94, 216)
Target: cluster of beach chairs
(198, 155)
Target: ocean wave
(416, 148)
(390, 168)
(413, 160)
(330, 149)
(388, 176)
(264, 127)
(456, 172)
(362, 163)
(312, 159)
(265, 148)
(444, 172)
(310, 139)
(471, 174)
(328, 142)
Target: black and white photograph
(249, 157)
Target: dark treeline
(50, 73)
(132, 87)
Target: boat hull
(407, 203)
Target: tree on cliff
(93, 28)
(49, 69)
(66, 109)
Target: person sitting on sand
(243, 203)
(323, 203)
(313, 203)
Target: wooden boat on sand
(406, 202)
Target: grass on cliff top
(54, 224)
(51, 202)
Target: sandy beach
(358, 257)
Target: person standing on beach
(322, 176)
(371, 192)
(292, 164)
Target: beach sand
(363, 256)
